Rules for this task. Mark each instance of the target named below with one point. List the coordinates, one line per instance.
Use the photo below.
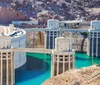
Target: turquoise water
(82, 60)
(37, 68)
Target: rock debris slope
(84, 76)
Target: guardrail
(45, 29)
(33, 50)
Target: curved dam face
(19, 57)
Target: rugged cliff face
(7, 15)
(58, 9)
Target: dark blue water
(35, 71)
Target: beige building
(62, 56)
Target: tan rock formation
(84, 76)
(7, 14)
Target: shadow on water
(32, 69)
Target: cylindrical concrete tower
(51, 33)
(62, 56)
(6, 61)
(94, 39)
(18, 40)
